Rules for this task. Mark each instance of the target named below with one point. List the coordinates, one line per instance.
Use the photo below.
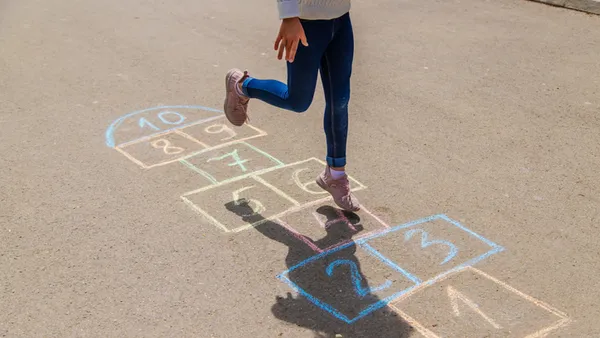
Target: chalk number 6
(304, 186)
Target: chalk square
(238, 205)
(218, 133)
(348, 282)
(232, 162)
(471, 303)
(324, 226)
(297, 180)
(430, 247)
(160, 149)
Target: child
(316, 36)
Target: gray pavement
(473, 147)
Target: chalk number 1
(456, 296)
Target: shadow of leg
(335, 280)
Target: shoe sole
(323, 186)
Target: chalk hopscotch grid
(178, 131)
(323, 305)
(495, 248)
(215, 182)
(563, 321)
(110, 131)
(281, 165)
(363, 242)
(256, 176)
(166, 131)
(191, 138)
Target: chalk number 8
(166, 147)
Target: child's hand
(290, 33)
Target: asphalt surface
(473, 148)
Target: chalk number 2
(356, 277)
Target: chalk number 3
(425, 242)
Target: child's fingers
(303, 39)
(289, 48)
(281, 47)
(293, 51)
(277, 41)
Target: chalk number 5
(255, 205)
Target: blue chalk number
(143, 122)
(425, 243)
(162, 116)
(356, 277)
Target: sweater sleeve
(288, 8)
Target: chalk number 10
(166, 117)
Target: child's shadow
(331, 280)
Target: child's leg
(298, 94)
(336, 70)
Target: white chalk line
(304, 238)
(200, 152)
(276, 190)
(294, 210)
(194, 153)
(456, 295)
(204, 214)
(282, 214)
(266, 219)
(298, 235)
(296, 205)
(544, 332)
(374, 216)
(145, 138)
(133, 159)
(564, 320)
(204, 121)
(256, 173)
(190, 137)
(262, 172)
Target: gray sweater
(313, 9)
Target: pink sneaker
(236, 103)
(339, 189)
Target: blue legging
(330, 50)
